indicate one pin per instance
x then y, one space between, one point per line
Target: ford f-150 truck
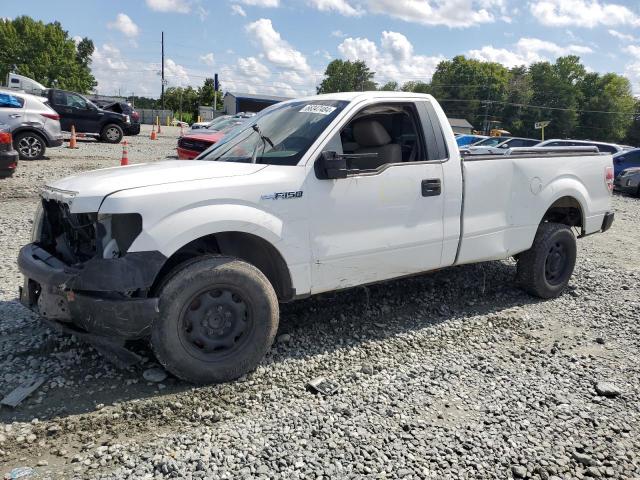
311 195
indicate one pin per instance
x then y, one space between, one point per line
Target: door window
76 101
10 101
381 135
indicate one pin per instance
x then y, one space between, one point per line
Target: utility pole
162 74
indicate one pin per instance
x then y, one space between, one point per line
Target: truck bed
506 196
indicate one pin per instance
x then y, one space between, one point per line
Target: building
460 125
248 102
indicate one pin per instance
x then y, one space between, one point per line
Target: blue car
464 140
626 159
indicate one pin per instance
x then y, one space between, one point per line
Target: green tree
206 94
390 87
466 88
518 93
416 87
347 76
605 93
633 133
45 53
556 87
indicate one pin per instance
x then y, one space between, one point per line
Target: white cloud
252 67
207 59
622 36
633 50
338 34
175 73
177 6
451 13
394 60
276 50
632 72
342 7
582 13
238 10
125 25
526 51
262 3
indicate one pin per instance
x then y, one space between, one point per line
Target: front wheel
545 269
218 318
111 133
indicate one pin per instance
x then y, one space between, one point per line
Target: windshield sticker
321 109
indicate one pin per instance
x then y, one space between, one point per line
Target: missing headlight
117 232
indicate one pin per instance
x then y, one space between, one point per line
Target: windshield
279 135
490 142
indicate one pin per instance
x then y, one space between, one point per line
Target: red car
193 144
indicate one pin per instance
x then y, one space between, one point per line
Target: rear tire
30 146
545 269
218 318
111 133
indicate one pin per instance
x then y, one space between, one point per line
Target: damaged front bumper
95 297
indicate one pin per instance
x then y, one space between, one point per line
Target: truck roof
350 96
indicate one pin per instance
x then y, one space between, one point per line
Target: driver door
380 222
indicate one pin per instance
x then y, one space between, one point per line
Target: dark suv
75 110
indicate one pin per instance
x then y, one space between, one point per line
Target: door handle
431 187
15 115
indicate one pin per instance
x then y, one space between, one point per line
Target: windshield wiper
256 129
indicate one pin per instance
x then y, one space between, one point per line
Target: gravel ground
454 374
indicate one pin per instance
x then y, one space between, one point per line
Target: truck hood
85 192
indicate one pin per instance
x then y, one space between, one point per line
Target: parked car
8 155
34 125
215 122
602 146
499 145
179 123
193 144
626 159
209 123
628 181
87 118
313 195
124 108
464 140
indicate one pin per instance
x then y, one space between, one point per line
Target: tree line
579 104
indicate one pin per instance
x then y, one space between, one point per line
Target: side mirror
330 166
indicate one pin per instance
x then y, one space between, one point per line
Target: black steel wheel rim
556 263
215 323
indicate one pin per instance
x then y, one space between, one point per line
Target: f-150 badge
282 195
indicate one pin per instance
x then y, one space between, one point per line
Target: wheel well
565 210
18 131
244 246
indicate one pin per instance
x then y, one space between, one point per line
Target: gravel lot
454 374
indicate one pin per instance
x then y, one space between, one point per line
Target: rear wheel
30 145
218 318
545 269
111 133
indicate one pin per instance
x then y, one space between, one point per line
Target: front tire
30 146
545 269
111 133
218 318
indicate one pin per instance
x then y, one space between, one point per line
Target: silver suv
34 125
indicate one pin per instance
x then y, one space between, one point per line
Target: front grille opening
70 237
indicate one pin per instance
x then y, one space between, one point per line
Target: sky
282 47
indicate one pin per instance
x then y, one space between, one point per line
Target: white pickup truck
309 196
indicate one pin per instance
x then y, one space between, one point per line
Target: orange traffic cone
153 136
125 154
73 141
